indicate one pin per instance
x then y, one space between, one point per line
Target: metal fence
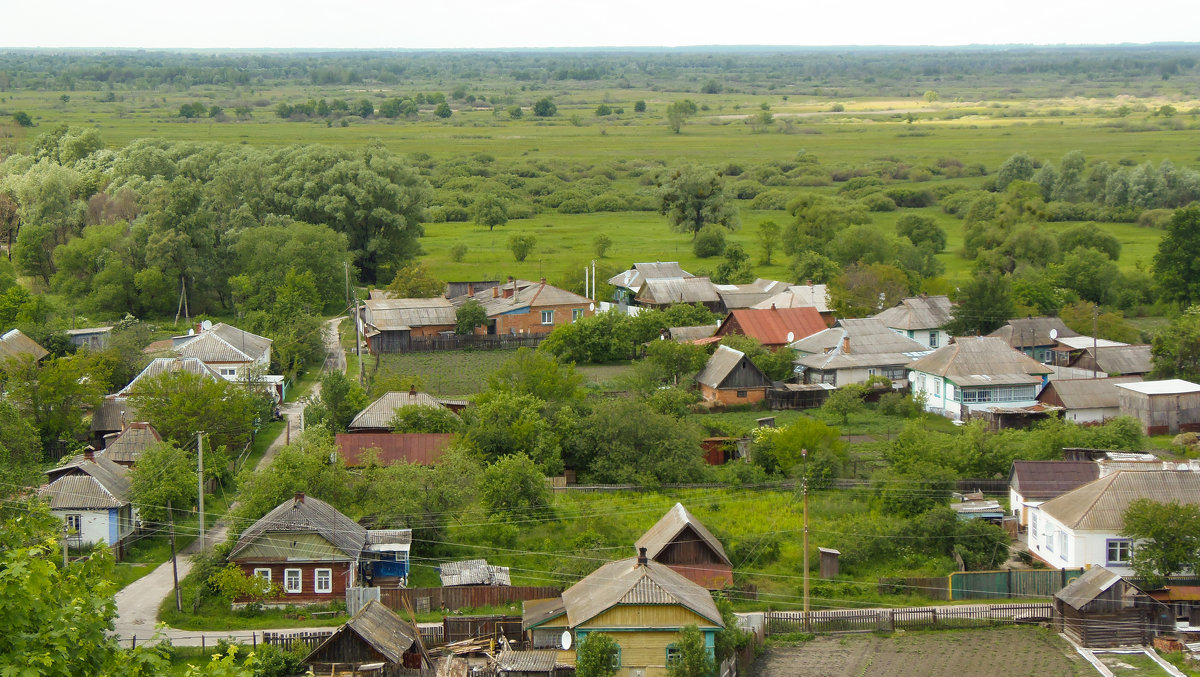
1008 583
907 618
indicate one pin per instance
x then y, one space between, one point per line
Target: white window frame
937 387
547 317
1033 525
328 587
287 581
576 314
263 573
74 522
1122 545
228 371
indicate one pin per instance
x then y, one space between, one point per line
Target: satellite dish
1053 333
791 337
592 307
206 325
566 640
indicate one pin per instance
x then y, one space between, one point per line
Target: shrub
878 202
770 199
521 245
601 244
458 252
910 197
710 241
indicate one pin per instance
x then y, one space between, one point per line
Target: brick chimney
299 497
511 289
641 560
89 454
496 291
845 345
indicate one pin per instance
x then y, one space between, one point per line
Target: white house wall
924 336
93 525
934 388
1084 548
1097 415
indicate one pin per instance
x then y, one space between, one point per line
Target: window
1000 394
74 523
911 333
951 393
1119 551
292 580
937 387
547 317
870 371
1062 544
933 339
1033 526
616 658
323 581
895 373
228 371
576 313
264 574
1049 540
741 393
672 654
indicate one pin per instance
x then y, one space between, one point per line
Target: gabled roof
1083 590
86 484
307 514
670 526
1122 359
126 446
112 414
688 334
379 414
981 361
871 343
636 276
1026 332
538 611
747 295
225 343
401 314
1043 480
628 582
171 365
678 290
1171 386
423 448
523 294
1087 393
15 344
722 362
918 312
1087 342
1101 505
380 628
799 296
776 326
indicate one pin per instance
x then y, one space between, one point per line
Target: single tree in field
679 112
844 401
521 246
1166 538
693 198
768 238
1177 263
544 108
490 210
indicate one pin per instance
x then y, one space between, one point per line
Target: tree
1090 235
735 269
601 245
310 464
490 210
598 655
443 110
232 583
919 229
692 658
867 288
521 245
709 242
1166 538
503 423
339 402
639 106
164 474
1177 263
54 393
515 112
420 418
468 316
984 304
768 239
178 404
1089 273
624 441
780 449
693 198
845 401
1018 167
671 362
544 108
22 118
679 112
536 373
514 484
1176 348
603 110
814 267
414 281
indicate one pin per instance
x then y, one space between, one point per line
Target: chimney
470 289
511 289
641 557
89 454
845 345
808 282
199 328
299 497
543 280
496 291
772 306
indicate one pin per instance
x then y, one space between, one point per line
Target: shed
534 663
391 323
684 544
1164 407
473 572
1085 400
730 377
374 635
1116 360
93 338
1101 609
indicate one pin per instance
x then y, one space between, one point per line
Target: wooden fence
463 597
290 640
908 618
418 344
1006 583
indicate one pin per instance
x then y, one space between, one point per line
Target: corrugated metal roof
918 312
981 360
628 582
1081 591
1123 359
127 445
525 294
687 334
871 343
1172 386
379 627
527 661
799 296
400 314
15 344
473 572
1086 393
379 414
377 537
225 343
171 365
774 326
423 448
670 526
748 295
1024 332
307 514
108 416
83 483
682 290
1082 342
636 276
253 345
722 362
1043 480
537 611
1101 505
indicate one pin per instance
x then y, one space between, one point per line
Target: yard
1014 652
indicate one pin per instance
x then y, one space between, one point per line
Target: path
138 603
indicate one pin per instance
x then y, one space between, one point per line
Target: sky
433 24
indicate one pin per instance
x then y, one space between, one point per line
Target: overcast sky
571 23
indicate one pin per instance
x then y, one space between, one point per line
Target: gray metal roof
86 484
918 312
400 314
1033 331
799 296
1123 359
871 343
307 514
747 295
127 445
379 414
682 334
389 540
981 360
224 343
473 572
1043 480
1087 393
636 276
379 627
112 413
670 526
722 362
172 365
1081 591
685 290
14 344
537 611
523 294
541 660
1101 505
628 582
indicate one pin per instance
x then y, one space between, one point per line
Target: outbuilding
1101 609
1165 407
731 378
375 635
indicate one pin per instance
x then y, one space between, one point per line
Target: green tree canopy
420 418
514 484
1176 348
1177 263
984 305
468 316
340 400
490 210
415 281
164 474
598 656
693 198
1166 538
693 658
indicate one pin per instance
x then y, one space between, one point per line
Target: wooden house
377 416
642 604
525 307
90 494
1114 360
1035 336
627 285
1101 609
110 417
1164 407
852 351
730 377
126 446
684 544
375 635
663 293
390 324
773 327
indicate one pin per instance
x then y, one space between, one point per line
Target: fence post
254 640
133 642
202 648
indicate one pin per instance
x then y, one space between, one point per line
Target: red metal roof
423 448
771 325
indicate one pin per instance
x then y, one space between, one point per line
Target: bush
458 252
601 244
574 205
898 404
746 189
770 199
710 241
878 202
521 245
910 197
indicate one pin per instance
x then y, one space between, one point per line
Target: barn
681 542
375 635
1101 609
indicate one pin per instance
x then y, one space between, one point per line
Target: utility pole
804 493
200 485
174 566
346 266
362 370
1095 348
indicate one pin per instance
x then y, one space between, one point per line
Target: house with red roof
773 327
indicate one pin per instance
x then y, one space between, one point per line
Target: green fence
1023 583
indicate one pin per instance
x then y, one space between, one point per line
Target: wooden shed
1101 609
730 377
373 635
685 545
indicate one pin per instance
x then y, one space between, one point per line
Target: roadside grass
125 573
213 615
262 440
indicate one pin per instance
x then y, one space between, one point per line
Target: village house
1031 483
1113 360
973 374
524 307
1067 348
663 293
852 351
1034 336
170 365
772 327
377 416
627 285
920 318
1083 527
1085 400
684 544
390 324
734 296
374 639
15 344
231 352
1165 407
730 377
642 604
698 334
90 494
807 295
92 338
1102 609
126 446
110 417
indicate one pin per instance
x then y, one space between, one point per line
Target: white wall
934 388
93 524
1091 415
1084 548
922 336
